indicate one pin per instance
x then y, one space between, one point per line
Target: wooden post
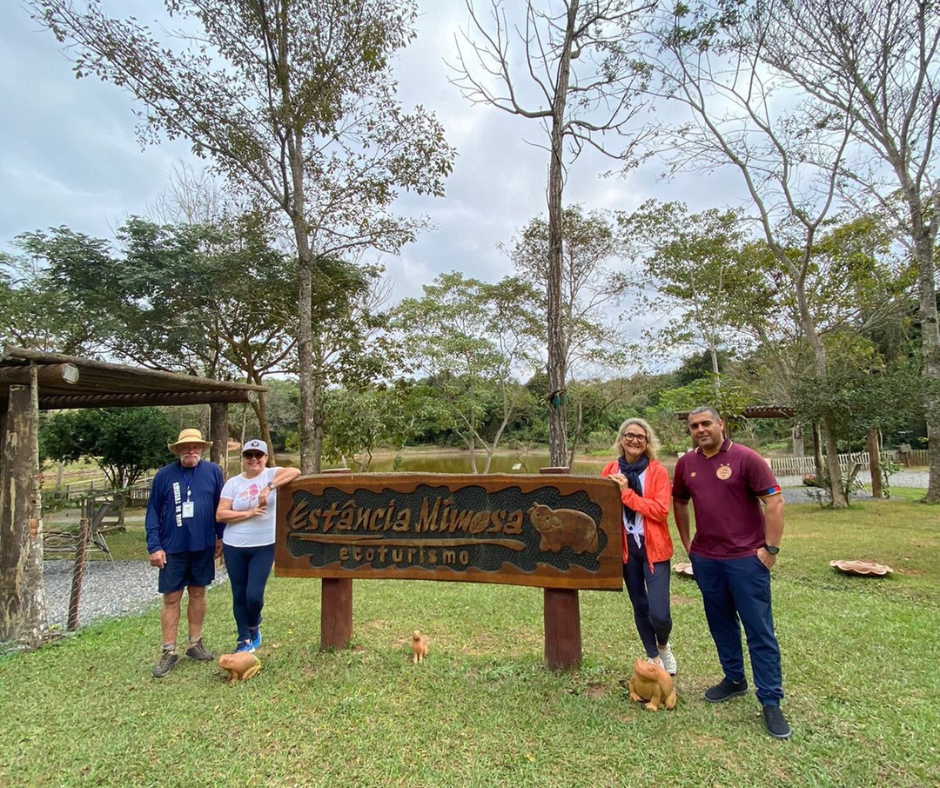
218 434
336 596
874 463
22 590
561 613
78 573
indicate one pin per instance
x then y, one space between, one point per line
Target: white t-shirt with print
258 530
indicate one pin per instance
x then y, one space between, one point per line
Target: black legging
649 593
248 570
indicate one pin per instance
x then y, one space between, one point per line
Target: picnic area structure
32 381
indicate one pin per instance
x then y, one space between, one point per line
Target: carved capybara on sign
560 528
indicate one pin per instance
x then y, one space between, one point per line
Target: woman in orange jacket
647 547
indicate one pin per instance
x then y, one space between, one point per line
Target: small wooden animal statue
242 665
651 684
419 647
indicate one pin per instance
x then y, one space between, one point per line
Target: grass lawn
860 666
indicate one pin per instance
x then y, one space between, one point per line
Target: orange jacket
654 506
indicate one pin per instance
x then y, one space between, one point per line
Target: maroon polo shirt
725 491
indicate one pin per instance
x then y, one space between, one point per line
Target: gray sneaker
168 659
198 651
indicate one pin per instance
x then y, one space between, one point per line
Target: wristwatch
772 549
271 486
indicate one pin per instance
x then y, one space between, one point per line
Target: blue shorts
187 569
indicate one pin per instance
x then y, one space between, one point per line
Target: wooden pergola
32 381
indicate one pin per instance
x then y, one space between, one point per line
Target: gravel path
108 590
795 492
127 587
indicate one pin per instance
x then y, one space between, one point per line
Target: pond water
452 462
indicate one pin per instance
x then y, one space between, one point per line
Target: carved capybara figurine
241 665
419 647
562 528
652 685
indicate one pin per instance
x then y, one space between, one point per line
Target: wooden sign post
561 614
557 532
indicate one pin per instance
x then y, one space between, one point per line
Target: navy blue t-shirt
168 528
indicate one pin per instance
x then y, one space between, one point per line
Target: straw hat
188 436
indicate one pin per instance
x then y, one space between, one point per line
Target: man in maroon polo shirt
738 528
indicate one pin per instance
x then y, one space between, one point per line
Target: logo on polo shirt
723 472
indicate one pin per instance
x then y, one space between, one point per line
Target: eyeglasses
252 455
633 437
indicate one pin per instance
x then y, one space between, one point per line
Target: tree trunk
259 406
797 437
557 349
817 453
874 463
930 342
713 352
836 491
218 434
308 447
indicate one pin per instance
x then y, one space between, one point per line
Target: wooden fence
801 466
72 493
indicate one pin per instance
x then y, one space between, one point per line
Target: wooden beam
67 401
123 371
47 374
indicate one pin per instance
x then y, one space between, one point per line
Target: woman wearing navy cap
248 508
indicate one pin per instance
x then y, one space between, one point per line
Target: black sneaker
167 660
776 723
725 690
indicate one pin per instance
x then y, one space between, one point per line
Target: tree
351 344
36 313
871 69
294 103
592 286
123 442
575 106
789 162
472 339
704 281
212 300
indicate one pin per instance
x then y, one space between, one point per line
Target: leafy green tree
351 343
871 69
123 442
704 282
472 339
294 103
212 300
36 313
791 158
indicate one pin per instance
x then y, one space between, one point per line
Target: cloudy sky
69 156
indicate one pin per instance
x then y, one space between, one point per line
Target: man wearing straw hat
183 539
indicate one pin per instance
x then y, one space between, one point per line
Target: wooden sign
545 531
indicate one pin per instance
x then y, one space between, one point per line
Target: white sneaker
669 661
